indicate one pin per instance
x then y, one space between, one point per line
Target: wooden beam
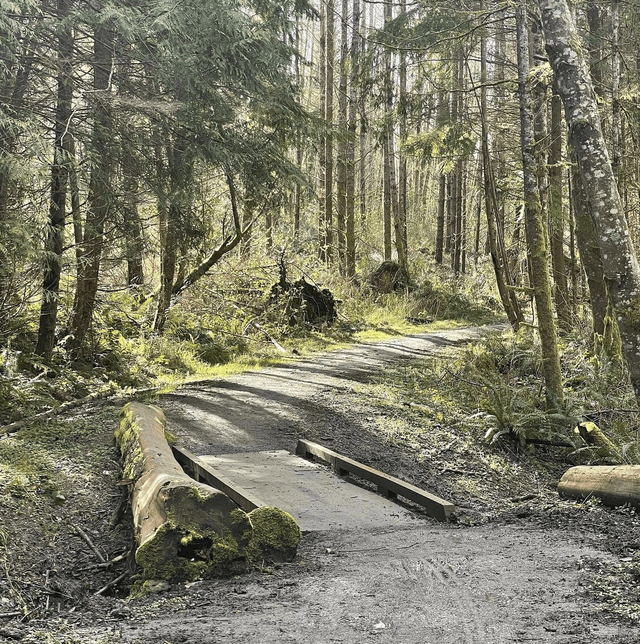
388 485
200 471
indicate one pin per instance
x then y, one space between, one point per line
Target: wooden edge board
201 471
389 485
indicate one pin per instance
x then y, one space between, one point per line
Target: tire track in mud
429 576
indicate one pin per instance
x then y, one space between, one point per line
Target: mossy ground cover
59 479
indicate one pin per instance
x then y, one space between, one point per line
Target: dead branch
90 543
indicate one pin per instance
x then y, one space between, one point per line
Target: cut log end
275 535
613 485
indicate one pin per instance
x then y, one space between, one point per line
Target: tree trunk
297 196
59 182
386 198
167 218
616 133
388 208
556 215
351 143
536 238
342 161
328 182
322 147
500 265
402 241
620 264
605 328
134 243
99 199
442 198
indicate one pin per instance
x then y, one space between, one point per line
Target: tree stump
389 277
184 529
612 484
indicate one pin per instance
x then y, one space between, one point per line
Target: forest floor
516 563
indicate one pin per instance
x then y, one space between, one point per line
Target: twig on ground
90 543
117 580
104 564
46 586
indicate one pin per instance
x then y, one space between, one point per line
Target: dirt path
502 571
413 585
271 408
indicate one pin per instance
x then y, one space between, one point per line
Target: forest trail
421 583
269 409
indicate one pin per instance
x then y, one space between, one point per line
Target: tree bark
536 238
443 109
59 183
620 264
402 241
328 182
613 485
500 265
342 160
351 143
322 147
556 215
99 192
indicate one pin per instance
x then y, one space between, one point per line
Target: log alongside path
184 529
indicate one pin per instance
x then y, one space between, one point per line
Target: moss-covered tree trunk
536 238
619 261
556 215
605 327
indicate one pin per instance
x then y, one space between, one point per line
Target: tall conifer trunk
99 200
342 160
59 183
328 182
536 238
351 143
322 152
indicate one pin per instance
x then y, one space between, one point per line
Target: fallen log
612 484
184 529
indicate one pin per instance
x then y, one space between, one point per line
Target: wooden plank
200 471
388 485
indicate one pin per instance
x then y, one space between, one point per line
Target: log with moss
184 529
612 484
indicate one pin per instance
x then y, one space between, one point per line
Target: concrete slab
317 498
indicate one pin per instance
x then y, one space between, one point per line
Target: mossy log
612 484
185 529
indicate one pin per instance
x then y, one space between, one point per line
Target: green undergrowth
215 332
479 413
37 461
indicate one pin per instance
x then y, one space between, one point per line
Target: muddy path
510 581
